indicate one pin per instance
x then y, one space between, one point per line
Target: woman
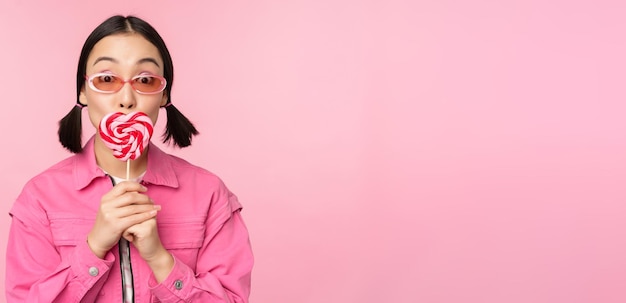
81 233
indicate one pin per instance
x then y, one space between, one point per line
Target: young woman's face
125 55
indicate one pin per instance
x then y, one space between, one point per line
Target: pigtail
70 130
178 127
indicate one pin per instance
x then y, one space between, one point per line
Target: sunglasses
108 83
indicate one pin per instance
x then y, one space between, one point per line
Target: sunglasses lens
148 84
107 83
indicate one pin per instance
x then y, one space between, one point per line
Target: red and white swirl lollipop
127 135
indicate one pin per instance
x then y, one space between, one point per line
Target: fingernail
153 212
157 207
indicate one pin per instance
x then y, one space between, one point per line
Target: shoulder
187 171
50 182
204 181
203 193
59 172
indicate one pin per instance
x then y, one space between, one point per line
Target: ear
82 98
164 99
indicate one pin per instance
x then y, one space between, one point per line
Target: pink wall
385 151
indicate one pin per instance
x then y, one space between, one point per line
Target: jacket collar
159 169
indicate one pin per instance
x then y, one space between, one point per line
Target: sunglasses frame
130 81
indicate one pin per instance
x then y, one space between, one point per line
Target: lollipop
127 135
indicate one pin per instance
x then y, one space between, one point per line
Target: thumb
129 235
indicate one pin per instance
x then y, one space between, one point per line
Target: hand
145 237
122 207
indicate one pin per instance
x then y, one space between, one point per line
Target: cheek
94 116
99 105
96 111
152 109
154 117
96 102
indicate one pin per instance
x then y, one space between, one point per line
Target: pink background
385 151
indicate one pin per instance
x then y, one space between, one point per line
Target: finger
118 218
129 198
134 209
129 235
124 187
131 220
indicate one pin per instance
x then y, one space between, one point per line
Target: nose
127 97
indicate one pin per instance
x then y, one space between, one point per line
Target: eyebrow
144 60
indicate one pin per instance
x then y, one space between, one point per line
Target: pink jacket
48 259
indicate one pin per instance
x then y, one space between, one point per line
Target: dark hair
178 127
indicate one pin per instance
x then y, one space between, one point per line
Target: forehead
126 49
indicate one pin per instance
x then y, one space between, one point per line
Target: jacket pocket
183 238
67 231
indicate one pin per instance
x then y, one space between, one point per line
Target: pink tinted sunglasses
108 83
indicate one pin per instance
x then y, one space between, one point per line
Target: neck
115 167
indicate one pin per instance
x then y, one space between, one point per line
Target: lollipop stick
127 169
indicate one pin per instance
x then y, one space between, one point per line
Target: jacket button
178 284
93 271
